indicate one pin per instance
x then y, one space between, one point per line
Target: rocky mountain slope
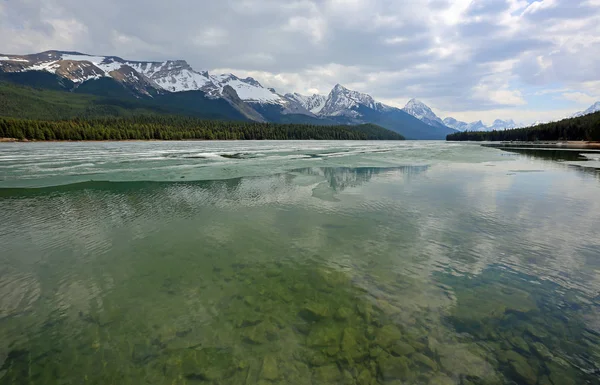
313 104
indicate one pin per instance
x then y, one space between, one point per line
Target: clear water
297 263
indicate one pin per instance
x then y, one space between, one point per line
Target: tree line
163 127
584 128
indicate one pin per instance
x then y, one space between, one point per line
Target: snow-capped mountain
177 84
313 104
593 108
79 68
249 90
170 75
455 124
344 102
422 112
498 124
476 126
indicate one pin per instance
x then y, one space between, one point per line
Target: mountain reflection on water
476 268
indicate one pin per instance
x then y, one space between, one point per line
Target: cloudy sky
470 59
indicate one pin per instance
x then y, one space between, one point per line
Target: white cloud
580 97
314 27
211 37
522 116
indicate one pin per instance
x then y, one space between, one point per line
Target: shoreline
13 140
568 145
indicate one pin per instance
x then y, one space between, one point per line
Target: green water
297 263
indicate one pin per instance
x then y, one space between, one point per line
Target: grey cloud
390 48
507 48
563 10
479 30
487 7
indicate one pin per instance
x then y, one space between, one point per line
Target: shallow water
297 263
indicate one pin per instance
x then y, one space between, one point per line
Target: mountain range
176 87
173 86
422 112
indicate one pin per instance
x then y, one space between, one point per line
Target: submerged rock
270 369
324 335
443 380
143 353
393 368
460 360
343 313
312 357
519 343
248 319
521 369
387 336
261 333
424 361
561 375
542 351
401 348
536 331
314 311
209 364
365 309
334 278
328 374
365 378
354 344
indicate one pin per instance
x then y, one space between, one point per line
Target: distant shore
570 145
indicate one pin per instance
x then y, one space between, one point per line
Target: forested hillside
163 127
586 128
17 101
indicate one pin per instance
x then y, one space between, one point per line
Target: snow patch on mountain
173 75
341 101
182 81
47 66
456 124
314 103
249 90
6 58
593 108
476 126
422 112
500 124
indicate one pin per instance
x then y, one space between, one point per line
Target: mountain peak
338 87
422 112
593 108
342 101
252 81
416 102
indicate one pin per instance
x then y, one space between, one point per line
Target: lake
298 263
